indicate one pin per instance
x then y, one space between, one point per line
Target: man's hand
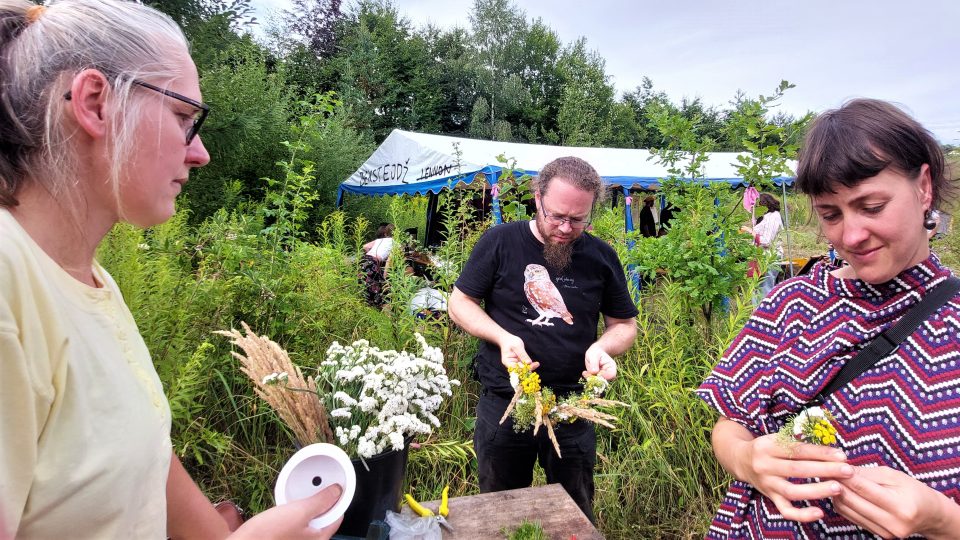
292 520
512 352
893 504
598 362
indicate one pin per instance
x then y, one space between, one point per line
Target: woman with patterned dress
873 175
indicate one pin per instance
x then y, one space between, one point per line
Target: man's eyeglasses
557 221
198 117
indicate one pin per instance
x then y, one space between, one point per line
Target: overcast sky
832 50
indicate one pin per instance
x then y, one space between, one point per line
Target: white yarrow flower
391 395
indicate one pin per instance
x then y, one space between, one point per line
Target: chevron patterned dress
903 412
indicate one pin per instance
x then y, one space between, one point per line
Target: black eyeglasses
557 221
198 117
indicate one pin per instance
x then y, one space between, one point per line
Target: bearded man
543 285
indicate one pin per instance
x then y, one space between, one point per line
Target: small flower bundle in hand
813 425
535 406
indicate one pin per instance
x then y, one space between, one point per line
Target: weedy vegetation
293 276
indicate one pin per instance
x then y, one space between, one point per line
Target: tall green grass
656 476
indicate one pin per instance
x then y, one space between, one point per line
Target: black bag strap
890 339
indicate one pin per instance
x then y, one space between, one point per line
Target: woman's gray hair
41 49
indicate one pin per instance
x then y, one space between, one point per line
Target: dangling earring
930 220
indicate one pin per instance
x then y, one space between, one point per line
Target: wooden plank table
484 516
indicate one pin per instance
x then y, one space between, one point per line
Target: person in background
648 226
379 248
100 110
873 175
373 265
766 235
666 216
544 284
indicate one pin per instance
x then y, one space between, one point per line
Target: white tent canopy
418 163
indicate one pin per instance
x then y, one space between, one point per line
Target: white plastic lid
312 469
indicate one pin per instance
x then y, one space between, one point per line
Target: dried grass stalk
591 415
513 403
600 402
295 401
553 438
538 414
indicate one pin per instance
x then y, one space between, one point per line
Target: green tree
497 28
450 77
771 142
384 71
644 101
249 119
539 70
703 253
585 114
314 22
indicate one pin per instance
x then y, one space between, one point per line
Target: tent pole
786 226
495 199
432 203
632 273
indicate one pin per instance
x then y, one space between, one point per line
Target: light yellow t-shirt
84 425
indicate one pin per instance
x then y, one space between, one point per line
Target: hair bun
34 13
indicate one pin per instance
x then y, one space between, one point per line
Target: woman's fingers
811 491
791 512
789 468
812 452
798 460
856 509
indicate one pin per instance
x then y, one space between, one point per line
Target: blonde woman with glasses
100 110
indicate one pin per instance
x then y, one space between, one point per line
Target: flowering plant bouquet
535 406
813 425
363 399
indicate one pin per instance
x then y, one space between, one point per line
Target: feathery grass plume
273 375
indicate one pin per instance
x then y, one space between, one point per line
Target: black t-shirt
648 227
556 316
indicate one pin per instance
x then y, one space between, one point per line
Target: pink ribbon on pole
750 196
495 191
629 200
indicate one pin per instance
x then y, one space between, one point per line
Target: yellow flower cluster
824 432
529 381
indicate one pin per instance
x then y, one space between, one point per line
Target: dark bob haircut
769 202
862 138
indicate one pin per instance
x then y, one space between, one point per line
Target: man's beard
557 255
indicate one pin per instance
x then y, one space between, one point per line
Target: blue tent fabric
416 163
410 163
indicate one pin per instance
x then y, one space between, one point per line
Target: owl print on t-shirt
544 296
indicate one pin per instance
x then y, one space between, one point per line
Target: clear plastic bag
412 527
